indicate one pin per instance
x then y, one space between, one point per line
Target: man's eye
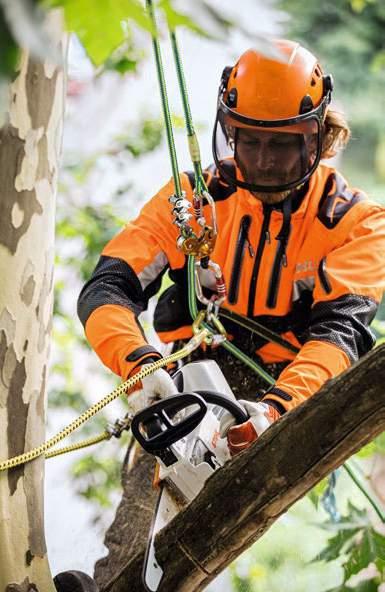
285 141
282 140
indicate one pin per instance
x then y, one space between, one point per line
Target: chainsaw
182 432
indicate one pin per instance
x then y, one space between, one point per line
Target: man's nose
264 158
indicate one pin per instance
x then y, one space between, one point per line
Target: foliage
8 50
105 29
377 446
282 558
361 545
96 476
349 41
82 231
348 37
102 27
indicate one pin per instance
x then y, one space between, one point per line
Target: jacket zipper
261 244
238 258
279 262
323 276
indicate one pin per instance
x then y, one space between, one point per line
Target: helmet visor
268 159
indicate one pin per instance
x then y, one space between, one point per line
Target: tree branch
243 499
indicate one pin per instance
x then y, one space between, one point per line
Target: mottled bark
30 143
242 500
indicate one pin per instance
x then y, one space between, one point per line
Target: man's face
271 158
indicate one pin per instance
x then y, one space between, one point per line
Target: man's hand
239 437
155 386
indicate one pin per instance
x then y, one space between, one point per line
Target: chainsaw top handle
235 408
157 427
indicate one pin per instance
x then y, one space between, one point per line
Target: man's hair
336 135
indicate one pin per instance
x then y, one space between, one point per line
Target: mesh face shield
270 155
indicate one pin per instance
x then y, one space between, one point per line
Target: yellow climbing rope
200 336
106 435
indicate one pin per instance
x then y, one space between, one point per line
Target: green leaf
177 19
350 525
102 26
316 493
380 565
9 51
367 450
359 558
376 446
360 5
97 478
337 545
123 65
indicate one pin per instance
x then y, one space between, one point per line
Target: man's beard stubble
271 198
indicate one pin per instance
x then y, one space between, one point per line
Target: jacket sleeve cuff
144 354
279 399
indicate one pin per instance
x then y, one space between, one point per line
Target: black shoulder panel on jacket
219 189
345 322
336 201
112 282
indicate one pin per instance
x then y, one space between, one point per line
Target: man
301 252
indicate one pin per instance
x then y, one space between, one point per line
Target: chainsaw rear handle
159 416
231 405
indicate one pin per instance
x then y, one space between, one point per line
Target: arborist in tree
302 253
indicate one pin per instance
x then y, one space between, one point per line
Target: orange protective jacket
312 269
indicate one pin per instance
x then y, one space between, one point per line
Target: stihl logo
305 266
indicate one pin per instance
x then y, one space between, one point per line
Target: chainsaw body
182 432
201 452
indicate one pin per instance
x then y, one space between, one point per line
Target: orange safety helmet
270 119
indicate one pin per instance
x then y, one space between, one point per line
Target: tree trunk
30 143
243 499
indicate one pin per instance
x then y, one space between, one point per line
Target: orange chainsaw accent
240 437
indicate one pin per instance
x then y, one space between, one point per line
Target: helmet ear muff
225 79
306 105
232 98
328 83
